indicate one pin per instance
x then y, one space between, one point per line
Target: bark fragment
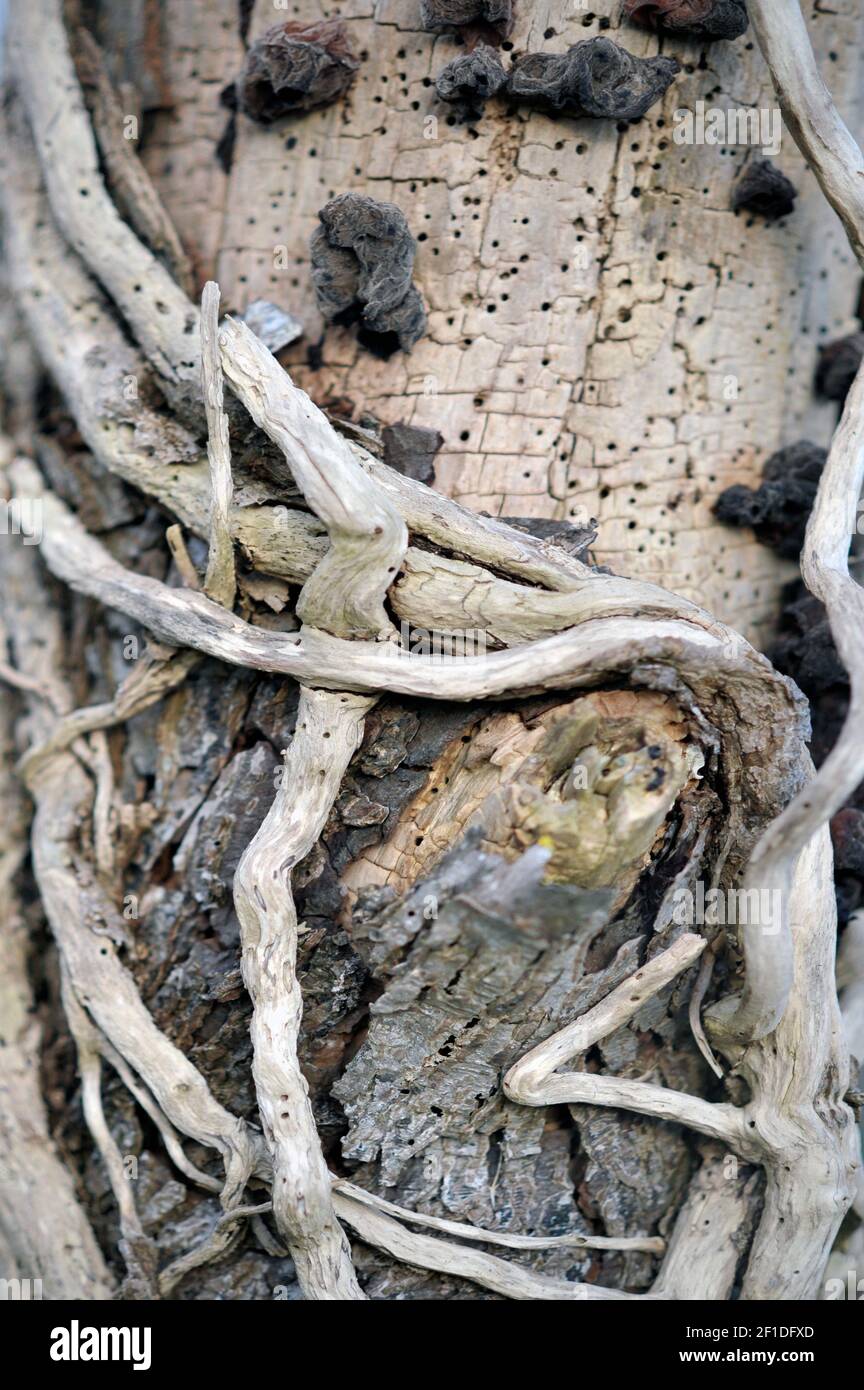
806 651
411 450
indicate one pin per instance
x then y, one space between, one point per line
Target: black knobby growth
593 78
293 68
457 14
838 366
471 79
763 189
709 19
779 507
362 260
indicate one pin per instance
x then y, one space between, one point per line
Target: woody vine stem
563 626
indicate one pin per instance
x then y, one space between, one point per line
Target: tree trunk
606 337
399 937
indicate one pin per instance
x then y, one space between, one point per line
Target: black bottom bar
65 1339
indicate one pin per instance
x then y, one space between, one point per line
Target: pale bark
610 402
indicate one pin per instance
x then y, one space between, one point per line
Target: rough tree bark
341 971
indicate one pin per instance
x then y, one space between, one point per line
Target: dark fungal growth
805 651
471 79
593 78
847 834
804 648
838 366
362 259
707 19
437 15
778 509
292 68
411 450
764 190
